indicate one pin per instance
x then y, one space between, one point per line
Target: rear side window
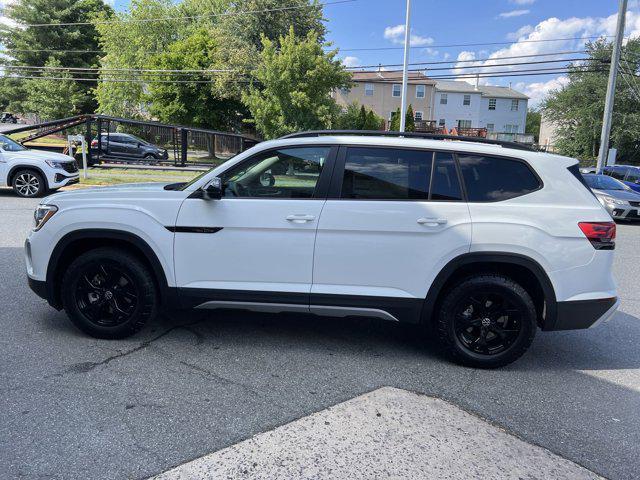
387 174
492 179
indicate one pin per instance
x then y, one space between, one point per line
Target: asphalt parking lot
75 407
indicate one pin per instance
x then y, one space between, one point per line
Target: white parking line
388 433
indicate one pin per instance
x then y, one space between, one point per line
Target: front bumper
38 287
579 314
62 180
623 212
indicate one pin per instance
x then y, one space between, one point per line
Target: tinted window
616 172
387 174
633 175
491 179
603 182
284 173
445 184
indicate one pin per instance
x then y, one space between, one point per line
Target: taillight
602 235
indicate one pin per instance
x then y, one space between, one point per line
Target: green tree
70 45
294 82
577 107
410 124
395 121
533 123
373 121
358 117
51 99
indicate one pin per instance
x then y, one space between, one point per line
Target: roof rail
429 136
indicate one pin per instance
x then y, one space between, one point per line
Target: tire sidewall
134 269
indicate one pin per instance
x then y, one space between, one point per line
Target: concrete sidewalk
387 433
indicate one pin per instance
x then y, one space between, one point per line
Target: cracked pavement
194 383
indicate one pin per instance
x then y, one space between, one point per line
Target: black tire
28 183
486 321
150 157
109 293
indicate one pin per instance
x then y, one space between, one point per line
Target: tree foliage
293 85
410 124
358 117
68 46
532 126
577 107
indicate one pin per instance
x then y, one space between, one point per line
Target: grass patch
114 176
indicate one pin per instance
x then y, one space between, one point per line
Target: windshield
8 145
604 182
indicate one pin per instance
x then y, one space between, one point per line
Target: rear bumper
574 315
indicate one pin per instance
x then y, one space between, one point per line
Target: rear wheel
28 183
487 321
109 293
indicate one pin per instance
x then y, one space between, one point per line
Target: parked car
8 117
483 242
127 146
621 202
31 173
627 174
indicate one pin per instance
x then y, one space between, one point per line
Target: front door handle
300 218
432 222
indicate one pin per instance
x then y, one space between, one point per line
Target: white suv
483 242
31 173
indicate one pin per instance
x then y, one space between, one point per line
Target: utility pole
405 72
611 88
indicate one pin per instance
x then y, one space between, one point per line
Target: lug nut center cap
109 295
485 321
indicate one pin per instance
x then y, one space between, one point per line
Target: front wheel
109 293
487 321
28 183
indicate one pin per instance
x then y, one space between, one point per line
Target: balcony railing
525 138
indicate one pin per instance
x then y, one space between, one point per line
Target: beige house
382 91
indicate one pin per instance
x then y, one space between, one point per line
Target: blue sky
378 23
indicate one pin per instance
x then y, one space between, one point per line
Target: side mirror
213 189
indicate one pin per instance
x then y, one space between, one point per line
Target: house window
397 90
420 91
464 123
441 122
344 91
466 100
514 105
490 127
418 116
492 104
368 89
511 128
443 99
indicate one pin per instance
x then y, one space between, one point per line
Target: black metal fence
127 141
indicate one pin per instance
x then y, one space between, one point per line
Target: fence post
99 128
183 146
88 140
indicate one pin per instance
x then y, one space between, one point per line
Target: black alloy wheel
109 293
487 321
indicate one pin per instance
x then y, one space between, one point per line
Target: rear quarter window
493 179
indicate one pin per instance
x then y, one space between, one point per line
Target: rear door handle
300 218
432 222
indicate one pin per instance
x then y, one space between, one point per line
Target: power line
475 44
190 17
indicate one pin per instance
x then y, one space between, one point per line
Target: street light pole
611 88
405 72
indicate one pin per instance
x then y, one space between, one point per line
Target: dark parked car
621 202
627 174
8 117
127 146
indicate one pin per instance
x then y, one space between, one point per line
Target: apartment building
381 91
462 105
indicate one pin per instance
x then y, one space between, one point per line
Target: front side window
8 145
443 99
492 179
633 175
492 104
386 174
284 173
466 100
420 91
514 105
445 184
397 90
368 89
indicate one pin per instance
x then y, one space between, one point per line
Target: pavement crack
214 376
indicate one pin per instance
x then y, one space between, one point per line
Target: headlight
615 201
54 164
42 215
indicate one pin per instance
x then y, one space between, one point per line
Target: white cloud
521 32
432 52
3 19
396 35
537 91
446 56
523 2
514 13
351 62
